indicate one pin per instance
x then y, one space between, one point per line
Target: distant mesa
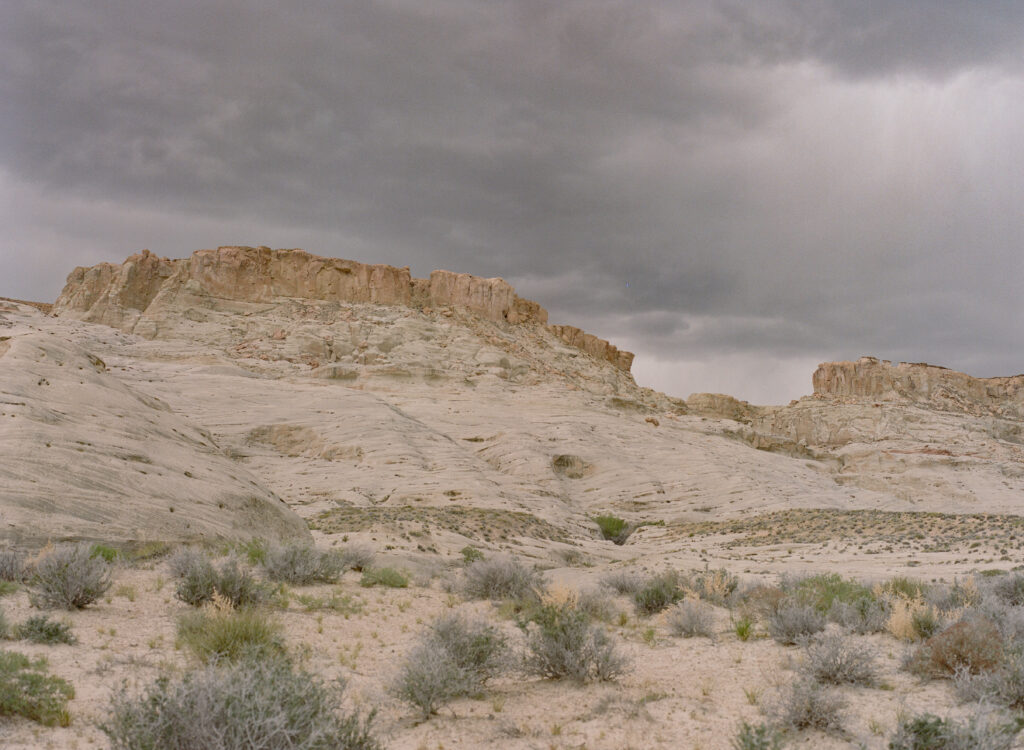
132 295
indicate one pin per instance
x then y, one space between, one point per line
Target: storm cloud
734 190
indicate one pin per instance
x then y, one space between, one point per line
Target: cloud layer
733 189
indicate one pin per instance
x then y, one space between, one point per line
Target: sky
733 190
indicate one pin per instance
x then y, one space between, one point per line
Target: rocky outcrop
936 387
592 345
130 296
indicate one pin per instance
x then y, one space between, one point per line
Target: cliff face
121 296
938 387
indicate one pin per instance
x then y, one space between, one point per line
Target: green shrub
41 629
27 690
301 564
907 588
4 626
200 580
69 577
925 623
972 645
8 587
500 577
613 529
455 657
658 593
215 635
383 577
743 626
255 550
823 590
471 554
252 705
564 644
757 737
106 552
982 731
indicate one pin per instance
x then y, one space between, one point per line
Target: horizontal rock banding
119 295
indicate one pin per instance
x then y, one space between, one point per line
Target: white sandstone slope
87 457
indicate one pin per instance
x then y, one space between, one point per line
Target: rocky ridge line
120 295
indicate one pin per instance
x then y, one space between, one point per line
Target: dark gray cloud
732 181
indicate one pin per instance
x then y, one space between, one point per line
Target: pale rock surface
87 457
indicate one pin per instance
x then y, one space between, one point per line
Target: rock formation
920 383
132 296
87 457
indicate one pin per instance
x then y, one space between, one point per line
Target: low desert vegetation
613 529
835 659
455 657
27 689
220 633
12 566
972 645
757 737
69 577
387 577
984 730
690 619
807 704
501 577
41 629
199 580
562 643
658 593
302 564
791 622
254 704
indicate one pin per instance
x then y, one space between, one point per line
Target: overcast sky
734 190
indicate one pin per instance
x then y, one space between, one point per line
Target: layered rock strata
938 387
121 295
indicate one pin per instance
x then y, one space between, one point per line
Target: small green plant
714 586
105 551
659 592
254 551
743 626
41 629
983 730
26 689
823 590
69 577
613 529
470 554
383 577
8 587
757 737
214 634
